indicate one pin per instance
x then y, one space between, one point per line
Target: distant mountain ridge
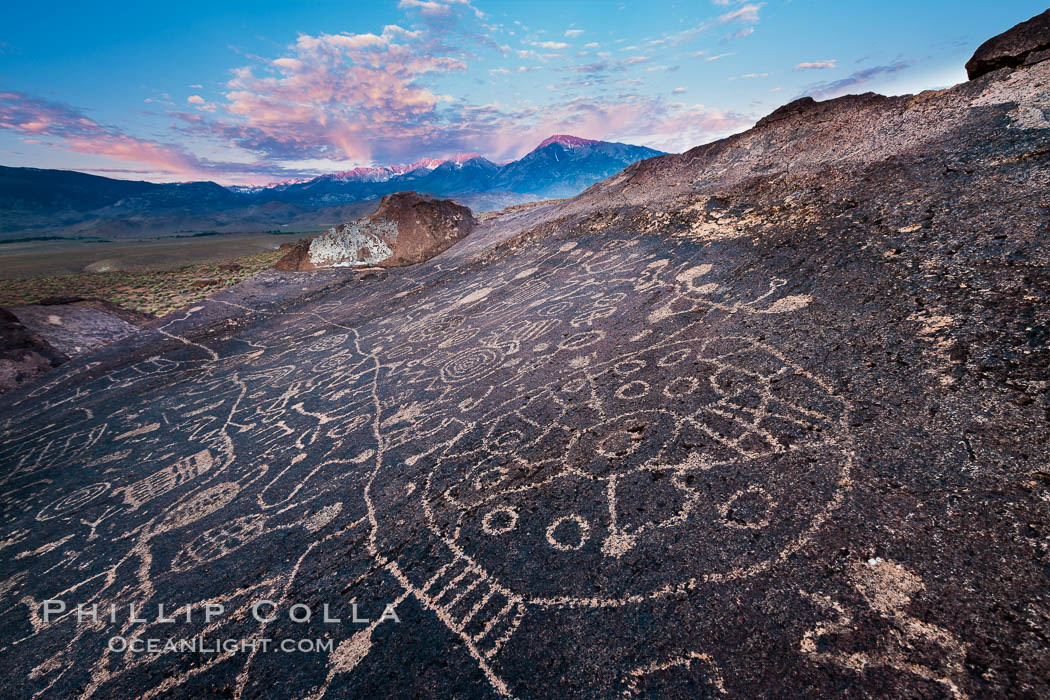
35 202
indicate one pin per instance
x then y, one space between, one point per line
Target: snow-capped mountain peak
568 141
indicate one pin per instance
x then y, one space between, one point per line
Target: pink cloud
335 96
58 125
744 13
817 65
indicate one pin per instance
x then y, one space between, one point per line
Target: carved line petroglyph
887 587
685 661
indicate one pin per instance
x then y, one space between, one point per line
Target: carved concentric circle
72 502
471 365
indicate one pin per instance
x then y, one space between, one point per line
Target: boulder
24 355
74 328
1025 44
406 229
132 316
36 338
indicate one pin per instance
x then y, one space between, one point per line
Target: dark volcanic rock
38 337
77 327
136 318
296 257
406 229
767 419
1026 43
23 354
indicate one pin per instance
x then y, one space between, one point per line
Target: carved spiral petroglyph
471 365
72 502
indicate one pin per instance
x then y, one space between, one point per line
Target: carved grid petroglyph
429 423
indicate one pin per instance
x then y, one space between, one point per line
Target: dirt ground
154 291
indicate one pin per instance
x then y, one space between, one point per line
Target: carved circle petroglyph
753 427
568 533
499 520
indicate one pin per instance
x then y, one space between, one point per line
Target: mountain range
36 203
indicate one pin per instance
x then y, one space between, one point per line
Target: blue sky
254 92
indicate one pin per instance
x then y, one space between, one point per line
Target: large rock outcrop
1025 44
406 229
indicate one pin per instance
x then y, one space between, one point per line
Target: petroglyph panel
512 443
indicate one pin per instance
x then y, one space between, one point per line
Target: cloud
425 6
337 96
195 100
817 65
554 45
600 67
436 7
719 56
572 33
745 13
740 34
750 76
65 127
678 91
835 88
